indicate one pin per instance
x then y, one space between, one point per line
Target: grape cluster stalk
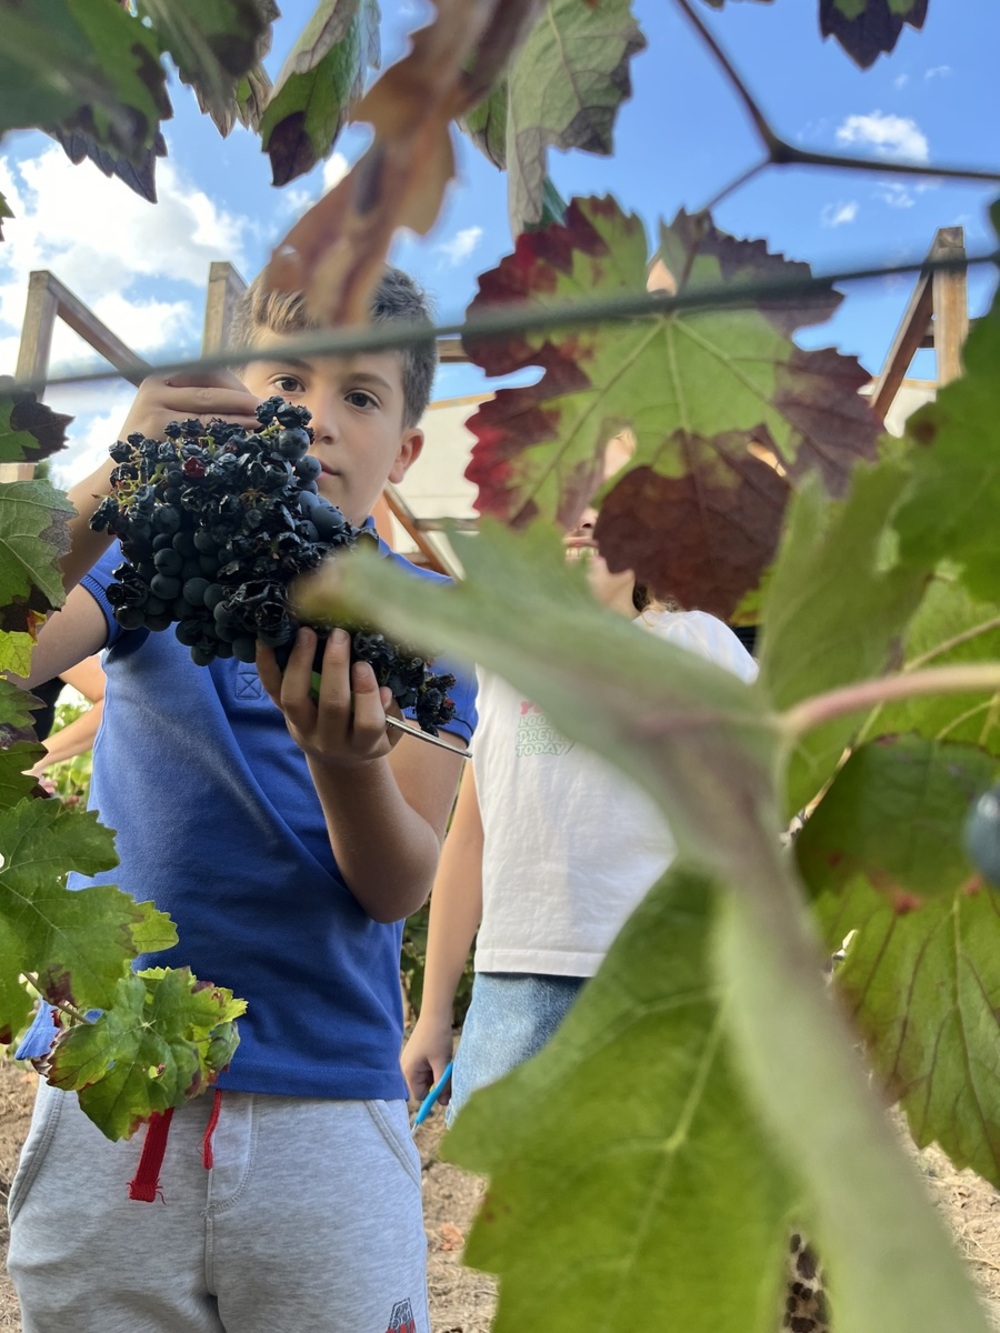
215 522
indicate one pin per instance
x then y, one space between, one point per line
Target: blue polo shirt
218 823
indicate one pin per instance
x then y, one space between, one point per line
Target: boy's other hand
425 1058
345 726
175 397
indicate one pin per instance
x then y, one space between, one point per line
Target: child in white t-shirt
549 851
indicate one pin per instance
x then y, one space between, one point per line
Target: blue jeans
511 1017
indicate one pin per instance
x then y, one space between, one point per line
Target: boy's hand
206 394
346 726
425 1058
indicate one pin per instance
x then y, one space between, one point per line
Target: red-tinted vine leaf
16 708
321 80
29 430
91 68
563 90
34 534
166 1037
867 28
336 251
702 391
950 511
721 536
660 1162
893 817
214 43
75 944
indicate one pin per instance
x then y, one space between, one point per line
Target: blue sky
679 140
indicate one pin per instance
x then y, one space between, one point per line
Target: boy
287 842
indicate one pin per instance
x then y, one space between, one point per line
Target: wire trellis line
502 321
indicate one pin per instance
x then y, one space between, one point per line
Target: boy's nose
324 418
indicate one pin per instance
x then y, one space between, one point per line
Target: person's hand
425 1058
345 726
175 397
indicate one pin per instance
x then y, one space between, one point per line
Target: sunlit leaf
165 1038
321 79
82 66
34 533
628 1139
563 90
16 647
29 430
951 510
834 575
336 251
867 28
214 43
706 394
75 944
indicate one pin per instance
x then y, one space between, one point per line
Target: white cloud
891 136
838 214
901 80
335 168
938 72
90 435
460 246
895 195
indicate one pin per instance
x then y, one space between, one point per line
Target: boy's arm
456 910
386 808
73 739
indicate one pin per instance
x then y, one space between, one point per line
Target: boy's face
357 420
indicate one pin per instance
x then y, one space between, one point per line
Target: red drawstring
145 1184
213 1120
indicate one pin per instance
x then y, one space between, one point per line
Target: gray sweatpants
309 1221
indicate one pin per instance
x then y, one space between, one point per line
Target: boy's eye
288 384
361 398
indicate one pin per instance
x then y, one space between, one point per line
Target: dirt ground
462 1300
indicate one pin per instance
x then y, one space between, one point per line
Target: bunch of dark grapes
215 522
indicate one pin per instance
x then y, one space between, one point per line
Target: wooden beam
404 515
47 294
951 305
225 287
36 331
908 337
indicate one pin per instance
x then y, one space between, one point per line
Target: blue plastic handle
427 1105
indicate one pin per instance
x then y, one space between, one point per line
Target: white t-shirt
571 846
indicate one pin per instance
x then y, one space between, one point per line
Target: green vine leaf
166 1037
29 430
75 943
696 388
16 708
563 90
322 78
15 652
34 534
629 1138
893 818
867 28
14 785
922 986
82 66
833 576
949 512
214 44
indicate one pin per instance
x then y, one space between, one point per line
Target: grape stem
822 708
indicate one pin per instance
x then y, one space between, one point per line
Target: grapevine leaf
16 707
14 784
893 818
867 28
923 988
565 85
486 125
322 78
335 252
138 172
75 943
214 43
675 1160
956 462
34 533
5 212
15 652
707 750
87 67
29 431
165 1038
696 387
832 577
949 627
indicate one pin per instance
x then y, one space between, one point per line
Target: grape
981 836
215 522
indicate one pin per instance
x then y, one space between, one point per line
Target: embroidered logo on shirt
537 735
401 1319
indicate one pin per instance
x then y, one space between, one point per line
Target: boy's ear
411 444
